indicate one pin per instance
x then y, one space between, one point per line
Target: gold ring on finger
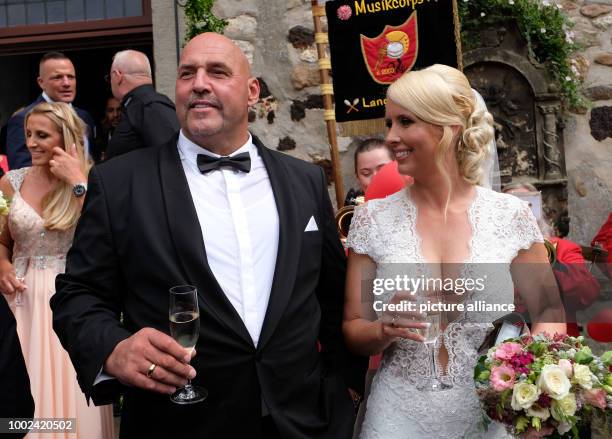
151 370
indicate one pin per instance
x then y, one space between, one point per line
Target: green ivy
200 18
546 29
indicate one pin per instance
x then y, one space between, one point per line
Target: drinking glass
185 329
431 334
20 265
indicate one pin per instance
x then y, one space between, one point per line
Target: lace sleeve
15 177
362 233
526 227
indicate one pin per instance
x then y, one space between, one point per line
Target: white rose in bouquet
554 382
564 407
524 395
583 376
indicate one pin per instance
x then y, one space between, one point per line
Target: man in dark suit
148 118
253 230
15 398
57 80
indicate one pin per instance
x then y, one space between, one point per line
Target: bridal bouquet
544 386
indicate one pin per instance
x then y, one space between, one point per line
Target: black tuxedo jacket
139 235
16 150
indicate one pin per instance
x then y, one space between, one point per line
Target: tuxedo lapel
188 242
289 241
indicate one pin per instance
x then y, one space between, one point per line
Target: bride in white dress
443 226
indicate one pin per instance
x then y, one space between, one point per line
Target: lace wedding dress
386 231
38 256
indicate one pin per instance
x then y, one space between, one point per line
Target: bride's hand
9 284
403 323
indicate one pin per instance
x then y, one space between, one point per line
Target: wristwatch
79 189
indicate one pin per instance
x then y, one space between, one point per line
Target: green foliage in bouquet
200 18
5 205
544 26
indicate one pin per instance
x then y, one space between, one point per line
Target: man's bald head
213 42
132 61
130 69
214 89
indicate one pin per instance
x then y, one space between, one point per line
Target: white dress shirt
240 227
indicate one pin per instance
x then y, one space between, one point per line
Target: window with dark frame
41 12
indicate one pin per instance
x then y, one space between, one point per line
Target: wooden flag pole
321 40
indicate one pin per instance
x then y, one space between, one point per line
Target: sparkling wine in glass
431 334
20 265
185 329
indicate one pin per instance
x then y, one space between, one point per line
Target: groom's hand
132 359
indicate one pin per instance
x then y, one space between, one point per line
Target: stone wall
588 133
278 38
168 22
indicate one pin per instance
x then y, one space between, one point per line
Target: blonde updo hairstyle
441 95
61 209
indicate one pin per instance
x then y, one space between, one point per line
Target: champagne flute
20 265
185 329
433 316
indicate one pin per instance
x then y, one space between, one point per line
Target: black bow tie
239 162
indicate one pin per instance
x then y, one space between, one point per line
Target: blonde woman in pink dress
46 203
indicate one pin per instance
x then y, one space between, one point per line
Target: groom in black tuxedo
253 230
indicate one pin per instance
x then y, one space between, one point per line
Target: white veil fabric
490 166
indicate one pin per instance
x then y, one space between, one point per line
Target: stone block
603 2
601 122
582 66
243 27
297 111
604 59
301 37
586 34
309 55
286 144
599 92
603 22
569 6
595 10
580 187
304 76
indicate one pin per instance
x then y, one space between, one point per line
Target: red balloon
4 163
599 327
388 181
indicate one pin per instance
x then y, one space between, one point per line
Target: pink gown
39 255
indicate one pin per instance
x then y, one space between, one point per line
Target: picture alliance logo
410 284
